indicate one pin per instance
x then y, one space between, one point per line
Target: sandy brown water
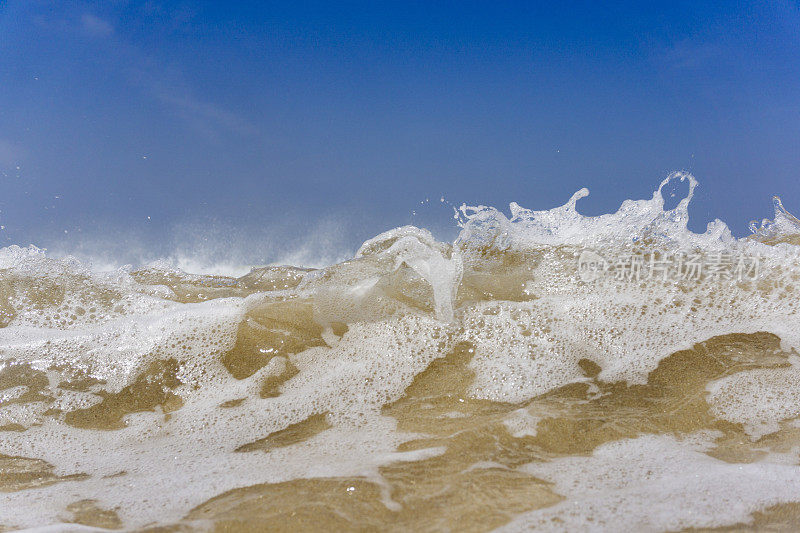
420 386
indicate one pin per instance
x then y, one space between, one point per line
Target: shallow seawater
546 371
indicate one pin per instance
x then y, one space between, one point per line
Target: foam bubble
658 483
344 341
758 399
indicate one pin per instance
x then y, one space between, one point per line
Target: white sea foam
658 483
407 300
759 399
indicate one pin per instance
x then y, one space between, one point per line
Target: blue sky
251 129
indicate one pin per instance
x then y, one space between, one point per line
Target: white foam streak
658 483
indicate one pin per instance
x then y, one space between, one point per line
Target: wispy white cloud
96 26
690 54
206 118
161 81
69 22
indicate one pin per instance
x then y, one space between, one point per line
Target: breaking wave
545 370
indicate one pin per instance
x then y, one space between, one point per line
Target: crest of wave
357 333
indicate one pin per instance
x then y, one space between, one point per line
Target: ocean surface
545 371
